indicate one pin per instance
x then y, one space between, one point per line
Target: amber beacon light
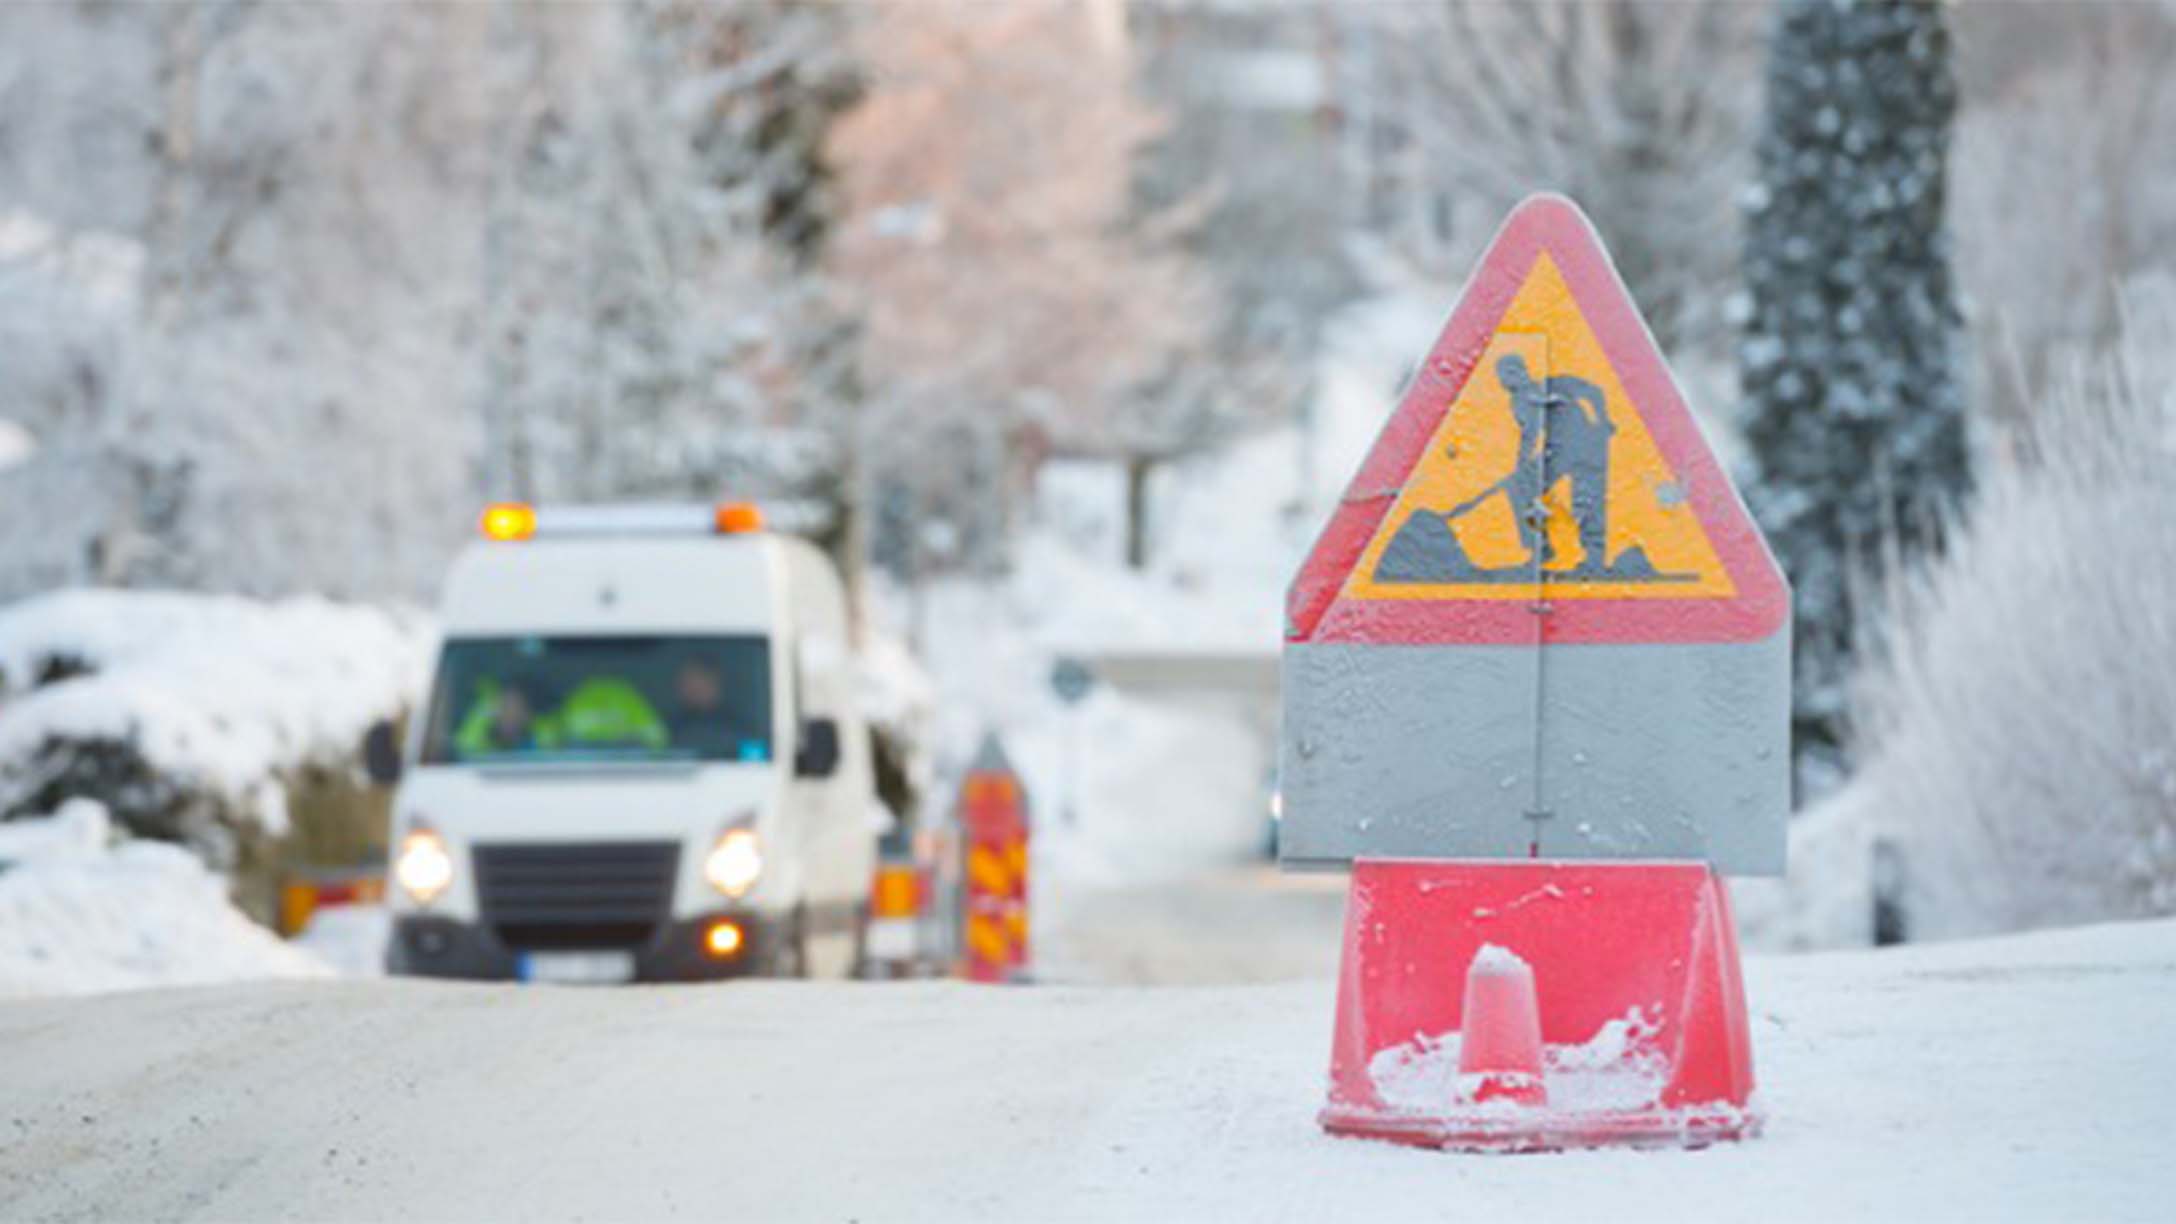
509 521
736 518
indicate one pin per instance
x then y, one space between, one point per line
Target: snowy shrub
190 717
2020 730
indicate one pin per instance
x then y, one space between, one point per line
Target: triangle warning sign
1542 479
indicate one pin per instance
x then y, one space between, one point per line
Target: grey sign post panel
1540 622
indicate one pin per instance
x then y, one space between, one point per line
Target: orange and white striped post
994 819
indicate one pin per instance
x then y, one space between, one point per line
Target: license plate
891 939
578 968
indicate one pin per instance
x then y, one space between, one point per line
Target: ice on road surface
2029 1078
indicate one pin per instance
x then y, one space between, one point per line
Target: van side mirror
818 755
381 754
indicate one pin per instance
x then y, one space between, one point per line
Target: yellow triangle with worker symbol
1541 477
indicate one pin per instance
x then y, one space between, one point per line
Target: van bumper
424 945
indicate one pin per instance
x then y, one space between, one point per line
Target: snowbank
183 711
351 939
78 914
1827 900
1150 793
16 444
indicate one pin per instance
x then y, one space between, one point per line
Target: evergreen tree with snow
1854 413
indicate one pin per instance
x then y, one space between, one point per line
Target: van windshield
510 700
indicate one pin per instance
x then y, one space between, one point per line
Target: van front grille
575 895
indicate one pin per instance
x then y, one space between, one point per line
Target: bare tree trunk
853 530
1138 469
168 245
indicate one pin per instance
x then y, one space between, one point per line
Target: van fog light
724 940
734 863
424 866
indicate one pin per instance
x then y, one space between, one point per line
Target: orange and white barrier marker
994 821
306 892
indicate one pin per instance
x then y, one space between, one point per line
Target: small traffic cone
1499 1047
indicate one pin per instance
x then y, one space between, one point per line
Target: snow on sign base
1540 621
1632 989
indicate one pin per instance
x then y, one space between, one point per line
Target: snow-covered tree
1854 413
2061 190
1249 141
265 411
291 289
652 328
1013 302
1456 110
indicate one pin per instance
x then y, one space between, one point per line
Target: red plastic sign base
1632 969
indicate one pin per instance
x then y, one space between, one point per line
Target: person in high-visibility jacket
601 712
609 712
502 719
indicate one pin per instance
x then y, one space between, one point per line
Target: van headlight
734 862
424 867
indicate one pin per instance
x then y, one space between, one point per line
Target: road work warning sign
1540 621
1541 470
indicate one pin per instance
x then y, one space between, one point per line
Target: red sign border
1314 611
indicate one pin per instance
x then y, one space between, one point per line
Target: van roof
603 584
514 521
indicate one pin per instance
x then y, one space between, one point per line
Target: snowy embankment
80 913
2023 1078
189 714
184 721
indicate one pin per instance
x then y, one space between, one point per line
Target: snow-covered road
2032 1078
1236 924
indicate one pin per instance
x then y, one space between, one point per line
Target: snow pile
1495 960
1616 1069
78 914
1154 792
1827 900
1122 791
16 444
350 938
188 712
892 689
899 700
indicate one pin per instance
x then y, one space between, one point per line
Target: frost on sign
1540 621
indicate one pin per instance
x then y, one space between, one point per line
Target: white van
641 758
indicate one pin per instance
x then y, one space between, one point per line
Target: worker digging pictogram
1544 476
1564 441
